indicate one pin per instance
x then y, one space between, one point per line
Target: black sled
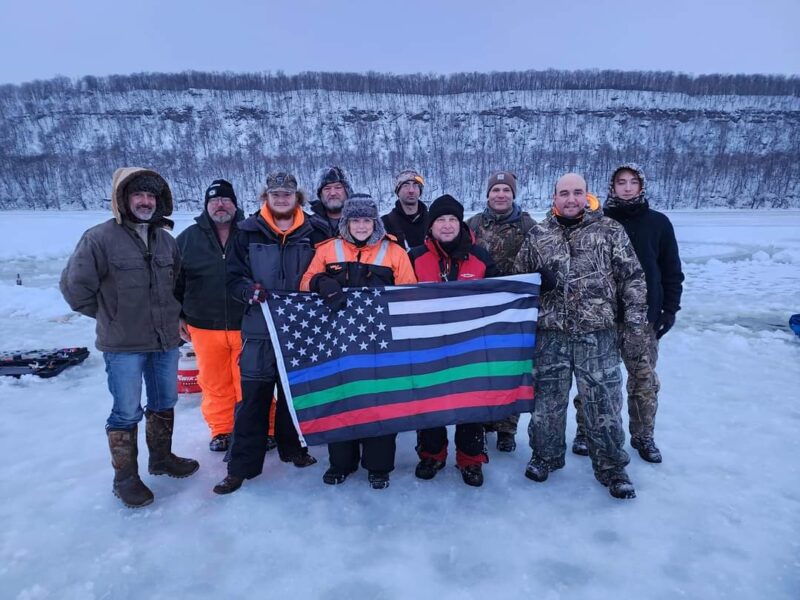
43 363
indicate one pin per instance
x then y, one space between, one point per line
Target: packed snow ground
720 518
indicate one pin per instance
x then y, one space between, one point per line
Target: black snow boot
378 480
472 475
579 445
220 443
230 484
618 483
158 432
647 449
271 443
334 476
124 454
506 442
428 468
299 458
539 469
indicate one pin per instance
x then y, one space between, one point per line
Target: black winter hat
220 188
145 183
333 175
445 205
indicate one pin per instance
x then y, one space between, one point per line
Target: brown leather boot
159 442
124 452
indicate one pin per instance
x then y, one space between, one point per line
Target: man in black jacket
210 318
407 221
653 239
271 252
333 188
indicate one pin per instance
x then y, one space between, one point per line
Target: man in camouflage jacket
595 268
501 229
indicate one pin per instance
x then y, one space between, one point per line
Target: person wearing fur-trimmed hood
363 255
123 274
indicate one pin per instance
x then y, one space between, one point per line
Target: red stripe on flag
374 414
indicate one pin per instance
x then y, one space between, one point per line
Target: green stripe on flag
394 384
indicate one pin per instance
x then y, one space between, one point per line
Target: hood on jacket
628 166
119 204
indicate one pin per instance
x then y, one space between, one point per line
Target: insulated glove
548 280
635 340
331 292
664 323
255 293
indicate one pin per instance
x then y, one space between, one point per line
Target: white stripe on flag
434 305
512 315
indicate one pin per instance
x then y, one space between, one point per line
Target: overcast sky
45 38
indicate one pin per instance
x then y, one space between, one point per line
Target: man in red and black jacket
449 253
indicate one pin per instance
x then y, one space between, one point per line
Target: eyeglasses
221 201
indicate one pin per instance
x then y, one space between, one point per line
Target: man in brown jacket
122 274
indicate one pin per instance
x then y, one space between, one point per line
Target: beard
143 213
282 214
221 217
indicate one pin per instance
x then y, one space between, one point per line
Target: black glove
664 323
255 293
548 280
331 292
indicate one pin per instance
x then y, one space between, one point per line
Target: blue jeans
125 372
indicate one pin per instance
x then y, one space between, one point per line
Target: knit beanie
220 188
445 205
506 177
333 175
408 175
361 206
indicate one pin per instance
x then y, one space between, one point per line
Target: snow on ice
720 518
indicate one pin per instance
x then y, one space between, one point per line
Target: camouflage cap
281 182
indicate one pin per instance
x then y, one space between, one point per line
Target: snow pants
252 414
643 386
219 378
593 359
375 453
470 444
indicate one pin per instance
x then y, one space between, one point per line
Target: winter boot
271 443
220 443
334 476
230 484
539 469
124 452
158 432
647 449
618 483
579 445
428 468
299 458
472 475
378 480
506 442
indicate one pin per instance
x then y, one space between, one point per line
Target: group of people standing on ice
611 286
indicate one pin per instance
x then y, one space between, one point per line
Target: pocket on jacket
131 272
257 360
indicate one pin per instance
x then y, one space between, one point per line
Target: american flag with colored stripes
403 358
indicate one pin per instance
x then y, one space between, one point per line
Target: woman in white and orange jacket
363 255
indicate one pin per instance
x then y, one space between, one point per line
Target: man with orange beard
271 252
